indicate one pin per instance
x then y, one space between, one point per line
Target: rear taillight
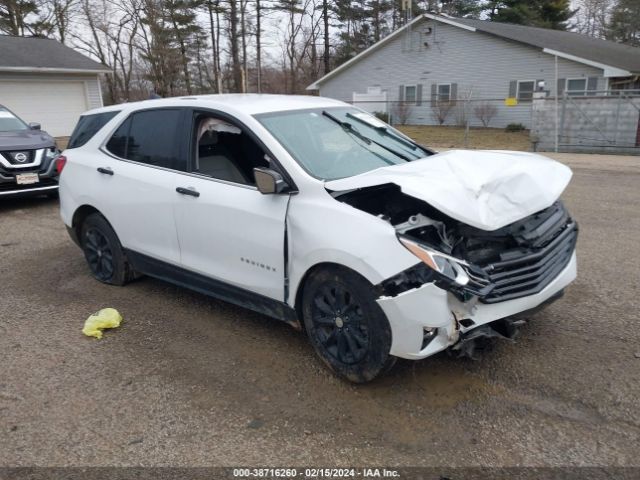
61 161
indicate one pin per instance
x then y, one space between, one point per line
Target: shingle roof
30 53
621 60
594 49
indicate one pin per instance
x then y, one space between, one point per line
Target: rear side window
87 127
151 137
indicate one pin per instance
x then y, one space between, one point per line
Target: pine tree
625 23
180 16
555 14
537 13
22 17
462 8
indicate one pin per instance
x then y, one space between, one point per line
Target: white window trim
518 89
575 94
415 86
438 85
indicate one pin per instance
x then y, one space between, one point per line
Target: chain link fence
602 122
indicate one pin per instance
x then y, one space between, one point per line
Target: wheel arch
309 272
79 216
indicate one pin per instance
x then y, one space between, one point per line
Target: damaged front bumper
427 319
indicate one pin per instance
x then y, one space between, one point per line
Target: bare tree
440 110
485 112
593 16
401 112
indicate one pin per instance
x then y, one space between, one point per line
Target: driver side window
224 151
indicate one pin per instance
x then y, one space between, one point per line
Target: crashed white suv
316 213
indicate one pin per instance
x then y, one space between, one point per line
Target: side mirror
35 126
269 181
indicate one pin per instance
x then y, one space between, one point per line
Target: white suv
314 212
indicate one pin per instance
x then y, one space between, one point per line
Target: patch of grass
479 137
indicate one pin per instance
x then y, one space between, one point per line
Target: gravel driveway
188 380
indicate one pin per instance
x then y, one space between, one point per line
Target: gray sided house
44 81
452 68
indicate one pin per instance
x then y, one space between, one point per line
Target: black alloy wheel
103 251
99 254
346 326
340 324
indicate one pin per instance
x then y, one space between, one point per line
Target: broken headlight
51 153
449 267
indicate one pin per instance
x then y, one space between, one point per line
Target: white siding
477 62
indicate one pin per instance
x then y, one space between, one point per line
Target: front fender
322 230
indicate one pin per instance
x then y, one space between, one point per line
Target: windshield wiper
385 131
349 128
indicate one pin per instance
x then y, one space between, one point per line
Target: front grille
530 273
19 157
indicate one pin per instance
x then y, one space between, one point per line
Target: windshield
9 122
340 142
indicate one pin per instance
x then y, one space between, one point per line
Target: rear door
134 181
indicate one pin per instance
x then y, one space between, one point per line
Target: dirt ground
188 380
478 137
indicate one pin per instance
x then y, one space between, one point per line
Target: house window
410 93
576 87
444 92
525 90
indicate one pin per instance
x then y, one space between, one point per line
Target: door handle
106 171
188 191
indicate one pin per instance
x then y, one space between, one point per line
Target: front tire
103 252
345 325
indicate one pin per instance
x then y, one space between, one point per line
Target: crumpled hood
25 140
486 189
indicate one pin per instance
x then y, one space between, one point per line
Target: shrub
514 127
384 116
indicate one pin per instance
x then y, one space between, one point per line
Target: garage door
55 105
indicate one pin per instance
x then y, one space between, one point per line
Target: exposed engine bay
513 261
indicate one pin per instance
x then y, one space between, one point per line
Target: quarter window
525 90
151 137
88 126
117 144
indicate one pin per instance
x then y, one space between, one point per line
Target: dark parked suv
28 156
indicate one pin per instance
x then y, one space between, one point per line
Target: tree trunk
243 37
259 45
326 53
218 66
236 66
214 49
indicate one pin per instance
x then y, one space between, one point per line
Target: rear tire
103 251
347 328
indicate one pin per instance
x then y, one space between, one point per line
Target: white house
44 81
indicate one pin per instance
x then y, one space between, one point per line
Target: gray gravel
188 380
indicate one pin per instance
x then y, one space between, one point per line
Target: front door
227 229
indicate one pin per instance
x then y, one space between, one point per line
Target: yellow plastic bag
105 318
